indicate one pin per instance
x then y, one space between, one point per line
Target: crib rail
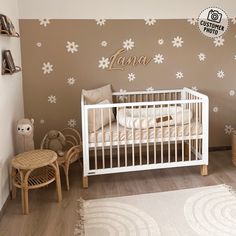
151 129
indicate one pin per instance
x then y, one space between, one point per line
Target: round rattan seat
34 169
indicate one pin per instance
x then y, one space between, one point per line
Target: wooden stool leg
23 200
26 199
58 183
85 181
66 170
204 170
13 187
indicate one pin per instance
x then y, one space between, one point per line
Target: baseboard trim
220 148
2 211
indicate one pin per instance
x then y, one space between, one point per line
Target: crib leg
85 181
204 170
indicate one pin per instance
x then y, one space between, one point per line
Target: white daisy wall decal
47 68
158 59
231 92
104 43
149 89
71 123
72 47
215 109
234 57
219 41
228 129
39 44
201 56
52 99
128 44
103 63
177 42
160 41
220 74
122 97
131 77
100 22
44 22
71 81
179 75
192 21
233 20
150 21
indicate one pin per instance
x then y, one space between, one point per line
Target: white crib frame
202 158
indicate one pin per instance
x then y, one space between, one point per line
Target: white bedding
149 117
167 133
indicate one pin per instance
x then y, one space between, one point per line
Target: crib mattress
108 136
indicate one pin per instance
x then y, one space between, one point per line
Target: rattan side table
34 169
234 147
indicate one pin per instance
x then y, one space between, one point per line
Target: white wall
11 99
119 9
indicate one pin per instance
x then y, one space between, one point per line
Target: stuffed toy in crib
24 135
54 140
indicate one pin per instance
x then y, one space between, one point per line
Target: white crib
169 142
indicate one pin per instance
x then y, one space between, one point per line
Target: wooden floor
49 218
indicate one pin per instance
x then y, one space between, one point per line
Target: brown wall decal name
118 61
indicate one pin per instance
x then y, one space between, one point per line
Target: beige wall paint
112 9
11 100
83 67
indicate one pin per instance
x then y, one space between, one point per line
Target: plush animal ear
32 121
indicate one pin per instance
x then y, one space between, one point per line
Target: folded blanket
149 117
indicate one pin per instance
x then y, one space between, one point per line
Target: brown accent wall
42 44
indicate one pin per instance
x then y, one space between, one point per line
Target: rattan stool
34 169
234 147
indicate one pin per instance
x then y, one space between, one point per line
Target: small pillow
98 119
95 96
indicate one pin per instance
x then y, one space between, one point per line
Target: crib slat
133 137
155 135
176 154
196 131
140 138
162 134
125 139
118 138
169 133
103 141
111 137
95 140
147 134
189 130
182 132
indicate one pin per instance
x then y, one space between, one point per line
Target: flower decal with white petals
234 57
100 22
177 42
220 74
219 41
47 68
128 44
104 43
149 89
215 109
201 56
52 99
103 63
231 92
72 47
150 21
158 58
192 21
123 97
44 22
39 44
131 77
160 41
228 129
179 75
71 81
71 123
233 20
